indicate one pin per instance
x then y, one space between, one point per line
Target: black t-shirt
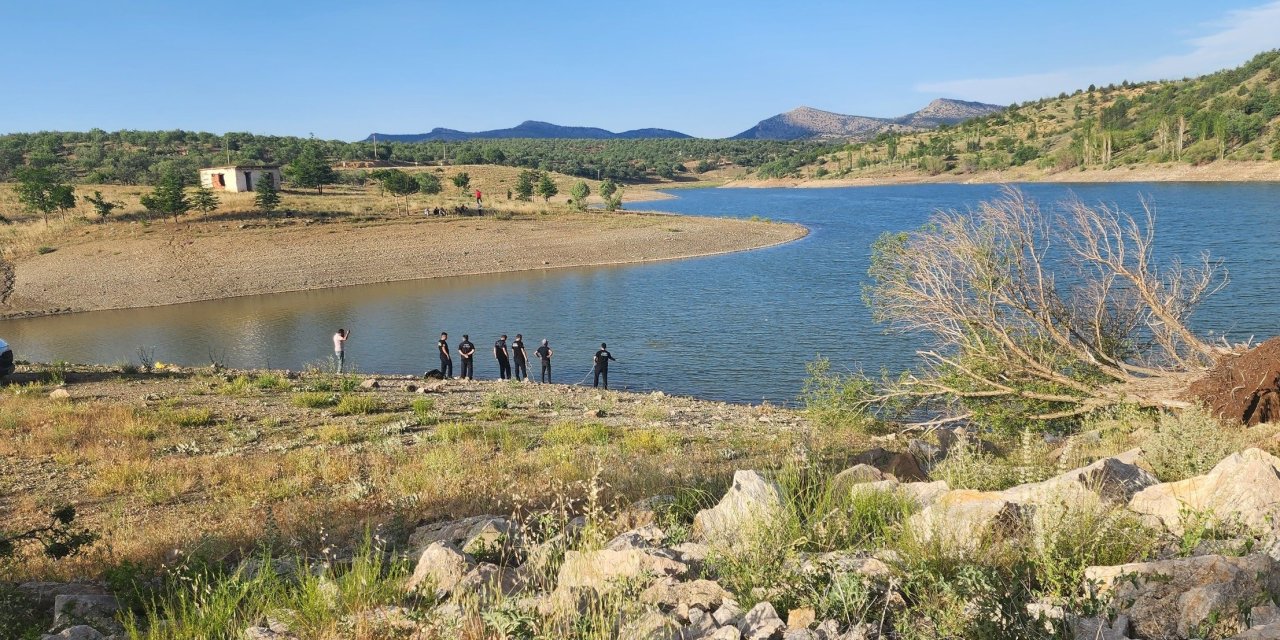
466 348
517 348
544 352
443 348
602 359
500 349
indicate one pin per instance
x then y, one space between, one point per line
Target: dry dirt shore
1175 172
131 265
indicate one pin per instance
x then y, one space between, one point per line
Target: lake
737 327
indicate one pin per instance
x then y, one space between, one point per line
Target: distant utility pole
375 147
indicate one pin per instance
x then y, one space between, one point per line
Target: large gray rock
962 519
42 594
492 537
455 532
650 625
1244 487
95 611
1115 480
1175 598
442 566
751 503
858 474
761 623
78 632
602 570
646 537
670 594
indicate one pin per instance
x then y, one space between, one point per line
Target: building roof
237 167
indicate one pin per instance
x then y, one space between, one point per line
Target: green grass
271 382
576 433
350 405
237 387
199 602
314 400
193 417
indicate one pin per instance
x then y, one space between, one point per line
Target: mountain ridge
528 129
805 122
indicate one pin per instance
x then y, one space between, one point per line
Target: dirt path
125 265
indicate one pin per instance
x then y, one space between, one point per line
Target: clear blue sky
345 69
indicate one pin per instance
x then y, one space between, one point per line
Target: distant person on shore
468 353
446 360
521 357
544 354
504 361
478 198
340 347
601 361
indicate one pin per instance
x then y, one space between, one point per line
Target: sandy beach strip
171 263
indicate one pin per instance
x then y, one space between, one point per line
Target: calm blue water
737 327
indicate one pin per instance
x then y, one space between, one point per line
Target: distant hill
808 123
947 111
528 129
1231 115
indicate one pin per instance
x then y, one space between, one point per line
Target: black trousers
446 366
522 369
602 375
468 368
504 368
546 370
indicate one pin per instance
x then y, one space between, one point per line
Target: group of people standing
505 355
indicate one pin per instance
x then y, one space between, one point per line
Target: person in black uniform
521 358
446 360
602 365
504 361
468 353
544 354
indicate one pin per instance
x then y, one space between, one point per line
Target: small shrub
497 401
1189 444
238 386
967 466
44 250
350 405
453 432
424 408
314 400
192 417
647 441
575 433
271 382
834 400
338 434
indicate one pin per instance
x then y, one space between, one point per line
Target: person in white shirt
340 347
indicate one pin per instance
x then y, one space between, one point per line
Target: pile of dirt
1243 387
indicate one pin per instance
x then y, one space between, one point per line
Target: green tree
428 183
399 183
614 201
525 184
266 196
102 205
547 188
607 189
462 181
205 200
310 170
41 190
579 193
169 197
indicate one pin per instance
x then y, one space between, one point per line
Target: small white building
238 177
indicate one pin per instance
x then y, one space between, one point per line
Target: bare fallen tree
1036 314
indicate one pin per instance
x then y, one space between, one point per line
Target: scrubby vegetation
1229 115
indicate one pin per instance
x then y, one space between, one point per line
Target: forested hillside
1228 115
141 157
